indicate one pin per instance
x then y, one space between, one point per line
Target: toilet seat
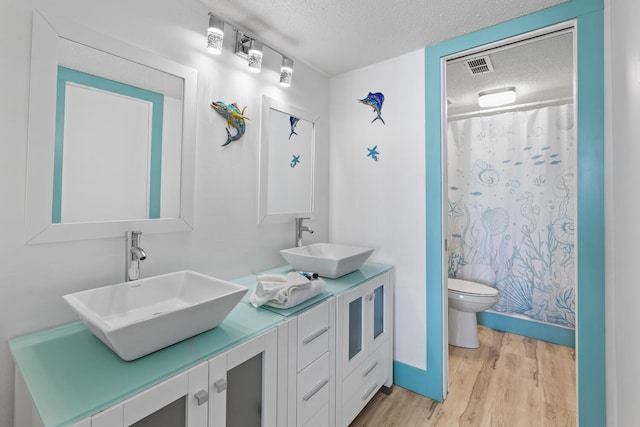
464 287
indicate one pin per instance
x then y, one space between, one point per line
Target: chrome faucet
133 255
299 229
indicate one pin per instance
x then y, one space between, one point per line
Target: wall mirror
111 137
287 162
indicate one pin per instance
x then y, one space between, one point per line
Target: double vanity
140 357
314 364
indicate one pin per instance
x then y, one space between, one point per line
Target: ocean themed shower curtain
512 208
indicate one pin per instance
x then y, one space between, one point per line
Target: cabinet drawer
360 386
313 389
320 419
313 334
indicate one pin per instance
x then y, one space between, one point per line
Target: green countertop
72 375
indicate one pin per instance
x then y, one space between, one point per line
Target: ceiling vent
479 65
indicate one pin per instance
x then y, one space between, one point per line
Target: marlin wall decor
294 122
375 101
235 119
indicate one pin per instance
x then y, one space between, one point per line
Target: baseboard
540 331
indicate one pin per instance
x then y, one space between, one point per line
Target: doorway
510 180
590 207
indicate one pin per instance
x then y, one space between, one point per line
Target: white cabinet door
365 321
180 400
243 384
363 345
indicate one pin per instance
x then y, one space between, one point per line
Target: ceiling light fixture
247 46
286 72
215 34
497 97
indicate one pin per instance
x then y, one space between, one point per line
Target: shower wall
512 209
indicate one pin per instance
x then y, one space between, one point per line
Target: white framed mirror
111 137
287 162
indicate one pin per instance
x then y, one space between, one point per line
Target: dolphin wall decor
235 119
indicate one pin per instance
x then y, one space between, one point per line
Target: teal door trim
589 18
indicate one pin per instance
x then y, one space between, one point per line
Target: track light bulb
254 56
286 72
215 34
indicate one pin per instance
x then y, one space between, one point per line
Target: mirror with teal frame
590 331
103 129
111 137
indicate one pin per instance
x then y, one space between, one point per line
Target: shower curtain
512 209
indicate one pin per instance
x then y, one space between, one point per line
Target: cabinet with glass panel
363 345
235 388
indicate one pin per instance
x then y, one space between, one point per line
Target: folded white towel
284 291
300 295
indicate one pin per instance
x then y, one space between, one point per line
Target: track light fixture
247 46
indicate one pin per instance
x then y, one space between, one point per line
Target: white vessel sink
327 259
137 318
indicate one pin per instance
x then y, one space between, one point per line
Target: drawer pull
315 335
316 389
220 385
202 397
371 368
369 392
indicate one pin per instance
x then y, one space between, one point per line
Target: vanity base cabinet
306 363
317 367
237 388
364 344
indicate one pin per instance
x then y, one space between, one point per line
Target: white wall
226 241
382 204
623 205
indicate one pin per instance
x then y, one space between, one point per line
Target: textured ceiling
335 36
540 69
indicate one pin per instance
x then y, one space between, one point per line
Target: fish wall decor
375 101
294 122
235 119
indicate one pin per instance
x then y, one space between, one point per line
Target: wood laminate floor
510 381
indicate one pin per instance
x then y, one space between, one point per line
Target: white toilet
465 300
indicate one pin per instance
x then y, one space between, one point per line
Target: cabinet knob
371 297
202 397
220 385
